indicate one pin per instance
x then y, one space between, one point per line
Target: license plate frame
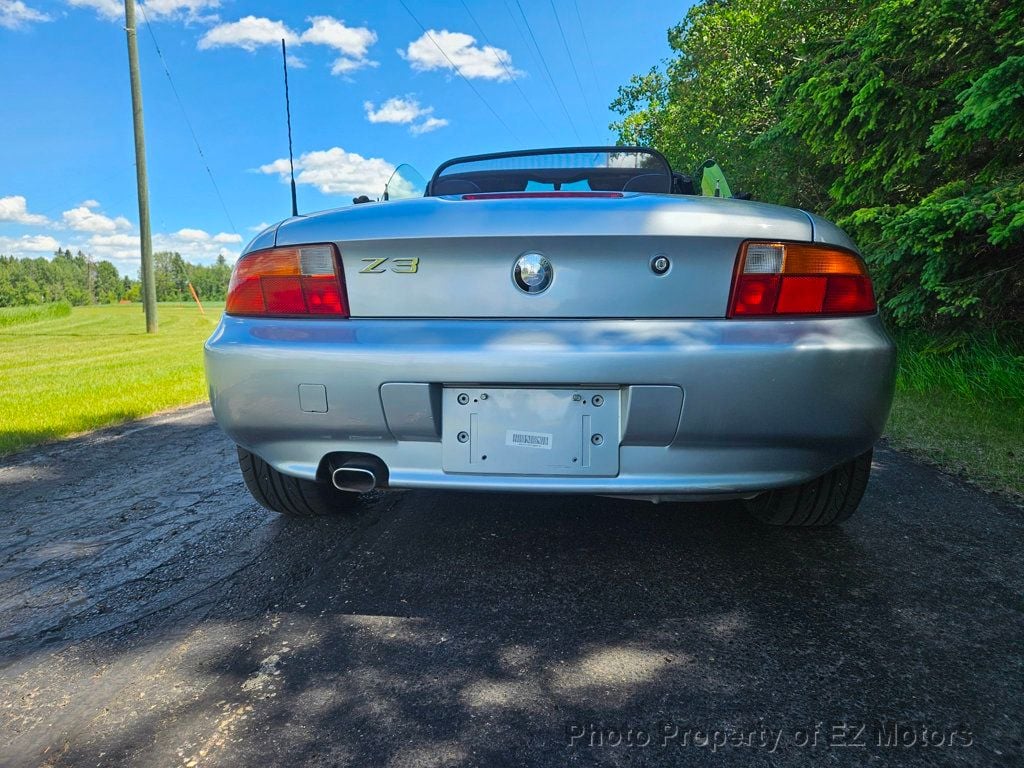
530 430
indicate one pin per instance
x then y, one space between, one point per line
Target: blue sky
370 89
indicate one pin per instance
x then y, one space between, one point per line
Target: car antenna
288 114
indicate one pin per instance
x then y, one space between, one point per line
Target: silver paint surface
705 404
766 403
600 249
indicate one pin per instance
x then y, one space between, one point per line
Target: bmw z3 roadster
555 321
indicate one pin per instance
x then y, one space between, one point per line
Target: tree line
79 280
903 120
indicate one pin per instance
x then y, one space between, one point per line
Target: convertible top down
559 321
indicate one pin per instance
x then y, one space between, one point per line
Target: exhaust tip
355 479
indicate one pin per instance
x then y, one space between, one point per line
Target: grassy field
960 403
97 367
20 315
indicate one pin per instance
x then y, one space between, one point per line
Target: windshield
619 169
405 182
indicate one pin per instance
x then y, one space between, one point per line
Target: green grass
98 367
19 315
960 403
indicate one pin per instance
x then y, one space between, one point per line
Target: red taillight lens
775 279
299 280
756 295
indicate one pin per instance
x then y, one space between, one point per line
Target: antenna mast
288 113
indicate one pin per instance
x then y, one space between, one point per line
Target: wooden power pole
145 234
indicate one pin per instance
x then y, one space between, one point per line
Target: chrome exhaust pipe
352 478
358 473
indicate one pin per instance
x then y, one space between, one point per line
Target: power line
459 71
184 114
547 70
526 43
586 44
508 71
519 30
572 63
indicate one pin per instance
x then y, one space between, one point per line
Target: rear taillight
799 279
298 280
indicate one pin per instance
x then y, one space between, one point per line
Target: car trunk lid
451 257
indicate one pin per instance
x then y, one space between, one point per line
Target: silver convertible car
573 321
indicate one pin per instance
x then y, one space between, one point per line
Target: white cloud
15 14
115 241
14 209
342 65
156 10
248 33
404 111
86 228
252 32
428 125
191 10
195 245
336 172
352 41
193 235
294 62
108 9
395 110
487 62
86 218
122 248
28 244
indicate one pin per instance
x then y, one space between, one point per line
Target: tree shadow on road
483 629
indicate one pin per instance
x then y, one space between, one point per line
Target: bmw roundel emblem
532 273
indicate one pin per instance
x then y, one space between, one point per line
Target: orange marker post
196 297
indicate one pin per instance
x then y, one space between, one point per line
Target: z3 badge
400 266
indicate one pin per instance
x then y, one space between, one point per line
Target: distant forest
78 280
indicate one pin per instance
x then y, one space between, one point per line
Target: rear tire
290 495
828 500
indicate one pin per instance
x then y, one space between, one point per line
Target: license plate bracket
530 431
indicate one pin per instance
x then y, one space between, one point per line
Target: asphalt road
152 615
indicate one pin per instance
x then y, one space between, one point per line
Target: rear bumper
763 403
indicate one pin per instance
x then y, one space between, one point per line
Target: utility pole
145 234
90 284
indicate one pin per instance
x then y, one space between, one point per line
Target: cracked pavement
152 614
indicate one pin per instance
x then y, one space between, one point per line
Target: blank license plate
524 431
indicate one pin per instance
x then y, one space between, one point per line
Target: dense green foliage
74 279
78 280
172 275
33 313
901 119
